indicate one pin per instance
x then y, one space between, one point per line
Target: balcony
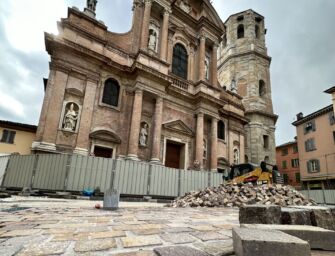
180 83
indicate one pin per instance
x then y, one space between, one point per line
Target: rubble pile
241 195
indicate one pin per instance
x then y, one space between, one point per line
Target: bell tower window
240 31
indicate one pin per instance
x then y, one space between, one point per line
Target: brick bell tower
244 68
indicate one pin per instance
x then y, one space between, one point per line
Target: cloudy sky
300 39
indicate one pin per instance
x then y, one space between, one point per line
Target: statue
144 135
152 40
92 4
70 119
185 6
233 86
207 68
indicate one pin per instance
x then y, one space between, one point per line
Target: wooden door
172 158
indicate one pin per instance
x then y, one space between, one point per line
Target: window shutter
317 164
309 166
11 137
306 145
4 136
312 144
313 125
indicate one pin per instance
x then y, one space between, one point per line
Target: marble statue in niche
207 63
144 134
70 117
153 37
152 40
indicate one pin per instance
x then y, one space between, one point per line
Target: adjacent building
151 94
316 143
16 138
244 68
287 156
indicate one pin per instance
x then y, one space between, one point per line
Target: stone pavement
75 227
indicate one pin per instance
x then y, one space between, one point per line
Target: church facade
151 94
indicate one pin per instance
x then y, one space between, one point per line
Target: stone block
260 214
111 199
295 216
318 238
140 241
251 242
178 251
320 216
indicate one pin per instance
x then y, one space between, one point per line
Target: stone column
145 27
199 143
214 144
215 66
156 145
135 125
202 53
164 37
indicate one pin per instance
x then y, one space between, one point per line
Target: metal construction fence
76 173
3 166
320 196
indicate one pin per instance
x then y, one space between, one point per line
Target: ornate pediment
105 135
178 126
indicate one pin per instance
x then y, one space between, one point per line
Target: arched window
257 31
240 31
261 87
180 59
111 93
221 130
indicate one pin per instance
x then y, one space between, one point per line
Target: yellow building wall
22 142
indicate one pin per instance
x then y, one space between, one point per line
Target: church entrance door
103 152
173 154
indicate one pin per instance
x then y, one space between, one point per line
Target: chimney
300 116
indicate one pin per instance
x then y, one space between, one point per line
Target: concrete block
318 238
294 216
321 216
252 242
260 214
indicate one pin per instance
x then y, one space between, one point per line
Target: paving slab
252 242
95 245
141 241
49 248
178 251
318 238
216 248
180 238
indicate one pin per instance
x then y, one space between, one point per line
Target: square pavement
75 227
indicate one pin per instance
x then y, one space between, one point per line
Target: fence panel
50 172
330 196
164 181
19 172
216 179
89 173
192 180
131 177
3 164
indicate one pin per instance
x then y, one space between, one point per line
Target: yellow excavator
251 173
